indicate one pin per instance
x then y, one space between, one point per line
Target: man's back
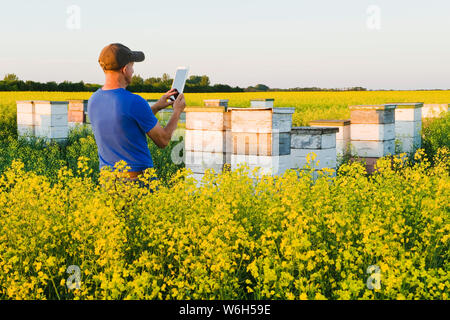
120 121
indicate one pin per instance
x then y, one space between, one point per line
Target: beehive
372 130
342 136
261 131
25 118
51 119
408 126
43 119
207 140
77 112
261 138
319 140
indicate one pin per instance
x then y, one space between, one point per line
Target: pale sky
282 43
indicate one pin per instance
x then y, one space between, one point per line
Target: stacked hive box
342 136
77 113
25 118
44 119
408 126
261 138
207 139
319 140
262 103
51 120
216 103
434 110
372 131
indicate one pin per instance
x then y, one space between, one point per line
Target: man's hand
163 102
179 104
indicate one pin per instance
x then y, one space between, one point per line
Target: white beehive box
377 149
52 132
207 129
408 126
25 130
216 103
325 158
51 107
261 120
263 144
342 136
199 161
50 120
261 131
373 131
269 165
207 141
310 139
408 111
25 118
208 118
318 140
410 144
262 103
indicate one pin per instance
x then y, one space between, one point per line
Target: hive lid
283 110
216 100
314 130
373 107
49 102
408 105
250 109
274 110
205 109
334 122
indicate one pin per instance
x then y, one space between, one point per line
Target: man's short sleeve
143 114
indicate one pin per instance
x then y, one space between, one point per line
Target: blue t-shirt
120 121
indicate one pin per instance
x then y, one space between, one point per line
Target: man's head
117 61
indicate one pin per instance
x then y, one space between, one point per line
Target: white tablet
180 80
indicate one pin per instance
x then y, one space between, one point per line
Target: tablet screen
180 79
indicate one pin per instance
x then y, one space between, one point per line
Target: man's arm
162 136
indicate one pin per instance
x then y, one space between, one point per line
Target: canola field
69 232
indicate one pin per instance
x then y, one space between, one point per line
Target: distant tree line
12 83
164 83
138 84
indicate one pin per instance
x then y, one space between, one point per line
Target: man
121 120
